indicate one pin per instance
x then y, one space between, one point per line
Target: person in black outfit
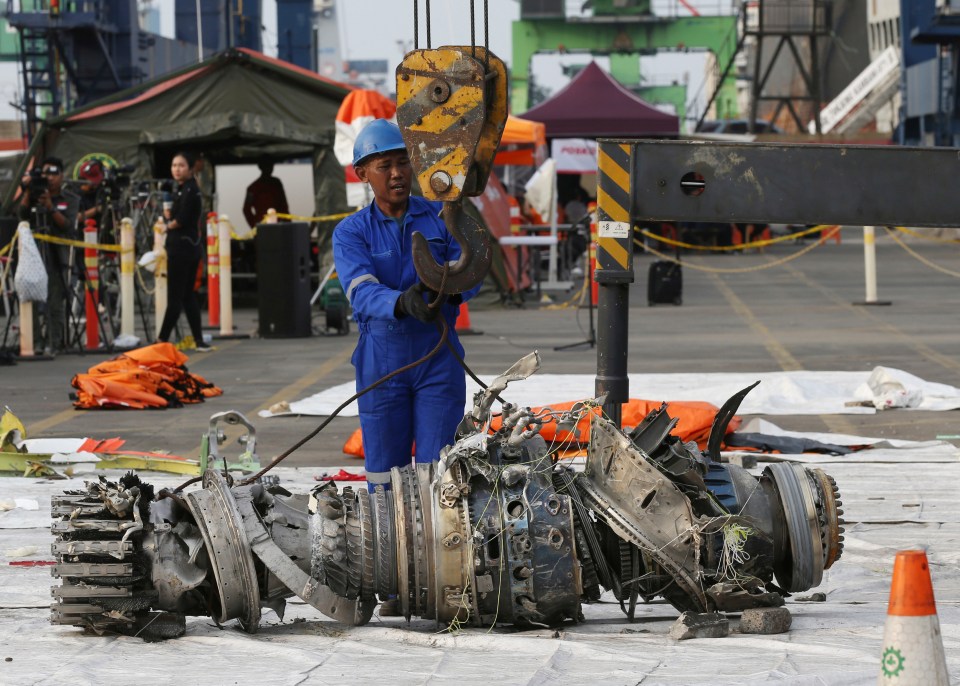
51 209
91 177
184 251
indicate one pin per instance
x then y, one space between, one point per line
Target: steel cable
444 340
299 444
743 246
473 29
917 256
444 334
732 270
917 234
486 33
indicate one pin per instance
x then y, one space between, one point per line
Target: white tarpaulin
779 393
540 190
889 507
886 450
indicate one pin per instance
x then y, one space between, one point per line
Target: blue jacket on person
424 405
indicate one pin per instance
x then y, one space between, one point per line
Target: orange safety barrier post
213 270
912 645
226 278
749 235
515 219
594 286
127 286
26 308
828 233
226 281
92 299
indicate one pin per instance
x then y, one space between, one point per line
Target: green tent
236 106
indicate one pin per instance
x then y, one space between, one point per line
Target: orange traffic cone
912 645
828 233
463 322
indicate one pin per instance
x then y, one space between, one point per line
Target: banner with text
574 155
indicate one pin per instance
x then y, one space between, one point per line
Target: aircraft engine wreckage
494 533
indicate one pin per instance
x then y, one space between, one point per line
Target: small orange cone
828 233
912 644
463 322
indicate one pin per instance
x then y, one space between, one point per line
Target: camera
115 179
37 184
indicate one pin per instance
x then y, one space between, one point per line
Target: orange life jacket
152 376
695 418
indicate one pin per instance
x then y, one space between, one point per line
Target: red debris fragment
33 563
342 475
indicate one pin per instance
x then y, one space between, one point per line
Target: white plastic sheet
837 642
779 393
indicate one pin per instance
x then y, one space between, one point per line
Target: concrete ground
736 316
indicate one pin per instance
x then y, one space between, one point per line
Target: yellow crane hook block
452 108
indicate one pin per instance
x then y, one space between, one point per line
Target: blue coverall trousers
420 406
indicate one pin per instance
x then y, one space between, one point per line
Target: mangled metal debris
493 533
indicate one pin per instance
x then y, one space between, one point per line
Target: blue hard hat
377 137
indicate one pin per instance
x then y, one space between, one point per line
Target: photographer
91 177
51 210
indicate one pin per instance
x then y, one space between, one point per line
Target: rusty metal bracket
699 181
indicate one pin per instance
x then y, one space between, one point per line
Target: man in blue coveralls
372 249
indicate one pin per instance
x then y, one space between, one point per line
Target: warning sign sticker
614 230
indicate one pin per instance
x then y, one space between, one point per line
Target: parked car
738 126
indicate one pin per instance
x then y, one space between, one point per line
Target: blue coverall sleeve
355 269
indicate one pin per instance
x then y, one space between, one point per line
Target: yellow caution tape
577 298
233 232
917 234
742 246
301 218
279 215
102 247
47 238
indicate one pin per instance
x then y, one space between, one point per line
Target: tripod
591 339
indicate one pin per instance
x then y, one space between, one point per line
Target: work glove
412 304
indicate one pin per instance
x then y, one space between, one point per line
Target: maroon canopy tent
595 105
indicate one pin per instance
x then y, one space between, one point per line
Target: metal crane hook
475 253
